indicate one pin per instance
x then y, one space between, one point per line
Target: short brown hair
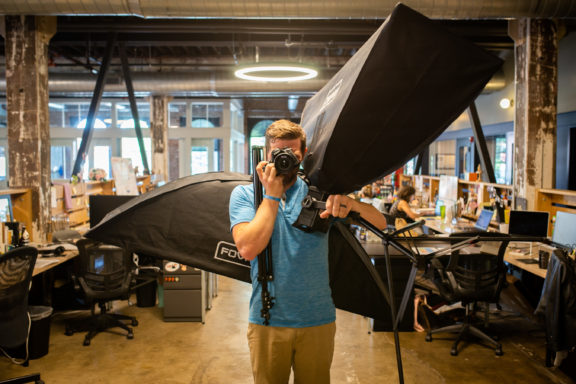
285 130
405 192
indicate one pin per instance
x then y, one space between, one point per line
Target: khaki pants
275 350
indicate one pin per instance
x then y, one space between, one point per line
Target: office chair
104 275
472 277
16 268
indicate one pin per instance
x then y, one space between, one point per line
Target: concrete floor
217 352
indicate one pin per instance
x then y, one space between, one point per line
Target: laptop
481 225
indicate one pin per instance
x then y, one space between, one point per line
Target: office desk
44 264
513 257
43 277
516 258
439 226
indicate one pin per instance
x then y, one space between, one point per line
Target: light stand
265 269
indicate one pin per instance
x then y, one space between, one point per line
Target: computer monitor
564 230
100 205
528 223
6 214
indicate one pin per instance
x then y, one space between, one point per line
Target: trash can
39 331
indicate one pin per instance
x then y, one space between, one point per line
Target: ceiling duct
304 9
193 84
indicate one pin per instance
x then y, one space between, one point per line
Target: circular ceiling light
276 73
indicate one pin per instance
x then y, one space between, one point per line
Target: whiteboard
124 176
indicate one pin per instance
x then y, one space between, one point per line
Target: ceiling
196 57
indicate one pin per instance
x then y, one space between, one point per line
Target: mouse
59 250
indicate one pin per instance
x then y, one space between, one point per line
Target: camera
284 160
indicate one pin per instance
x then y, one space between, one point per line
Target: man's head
285 130
286 134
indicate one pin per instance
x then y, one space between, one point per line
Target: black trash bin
39 331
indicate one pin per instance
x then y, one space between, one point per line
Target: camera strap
265 270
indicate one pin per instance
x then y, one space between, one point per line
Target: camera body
284 160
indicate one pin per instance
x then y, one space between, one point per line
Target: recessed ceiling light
276 72
505 103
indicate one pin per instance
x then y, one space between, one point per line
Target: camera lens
283 163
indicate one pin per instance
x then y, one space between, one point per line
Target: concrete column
159 135
536 78
27 97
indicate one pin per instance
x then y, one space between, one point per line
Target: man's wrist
274 198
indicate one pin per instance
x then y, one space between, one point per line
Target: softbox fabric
355 283
186 221
395 96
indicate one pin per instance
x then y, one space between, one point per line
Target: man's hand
340 206
273 185
337 206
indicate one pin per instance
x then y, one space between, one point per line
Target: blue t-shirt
300 264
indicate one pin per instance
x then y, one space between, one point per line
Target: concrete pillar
27 39
159 135
536 78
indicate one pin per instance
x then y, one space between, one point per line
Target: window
131 150
205 156
500 159
177 115
75 115
102 159
3 163
124 115
56 112
258 131
3 115
206 115
62 155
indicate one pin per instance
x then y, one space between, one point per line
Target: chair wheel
134 322
499 351
69 331
454 352
130 335
86 342
39 381
428 337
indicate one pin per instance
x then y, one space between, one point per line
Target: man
300 334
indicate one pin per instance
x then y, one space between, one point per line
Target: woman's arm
405 207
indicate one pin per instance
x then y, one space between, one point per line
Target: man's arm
252 237
340 206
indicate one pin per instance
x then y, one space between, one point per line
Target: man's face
294 145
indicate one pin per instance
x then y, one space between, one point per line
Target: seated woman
401 207
404 215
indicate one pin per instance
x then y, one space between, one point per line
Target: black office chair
104 275
16 268
477 276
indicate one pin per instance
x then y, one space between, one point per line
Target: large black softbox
399 92
186 221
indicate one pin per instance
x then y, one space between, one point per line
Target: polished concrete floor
217 352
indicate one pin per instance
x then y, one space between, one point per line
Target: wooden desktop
45 263
511 256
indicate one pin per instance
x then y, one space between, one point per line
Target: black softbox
186 221
395 96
